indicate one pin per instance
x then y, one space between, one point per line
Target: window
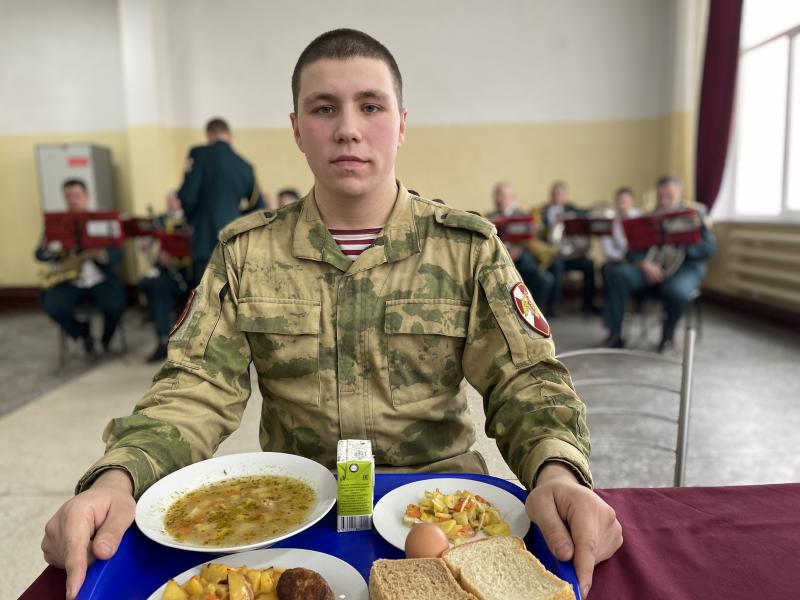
765 157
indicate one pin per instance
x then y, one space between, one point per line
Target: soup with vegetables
240 511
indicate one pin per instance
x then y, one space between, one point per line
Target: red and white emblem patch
526 307
184 312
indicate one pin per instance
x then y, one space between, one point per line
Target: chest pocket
284 342
425 341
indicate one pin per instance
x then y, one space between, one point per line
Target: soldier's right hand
89 525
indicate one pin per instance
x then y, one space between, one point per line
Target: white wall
463 61
66 66
59 66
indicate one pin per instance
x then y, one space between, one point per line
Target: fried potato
222 582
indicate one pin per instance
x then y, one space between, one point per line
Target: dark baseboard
781 316
27 298
19 298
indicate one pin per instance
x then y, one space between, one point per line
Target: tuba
668 257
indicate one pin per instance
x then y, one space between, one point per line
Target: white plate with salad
474 499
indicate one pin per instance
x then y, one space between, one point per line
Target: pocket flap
274 315
431 317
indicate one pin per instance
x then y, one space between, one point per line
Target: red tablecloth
680 544
704 543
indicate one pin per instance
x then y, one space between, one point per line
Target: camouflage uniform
373 349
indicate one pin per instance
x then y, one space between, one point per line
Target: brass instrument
668 257
566 246
58 271
542 251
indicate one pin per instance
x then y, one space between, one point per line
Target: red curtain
716 98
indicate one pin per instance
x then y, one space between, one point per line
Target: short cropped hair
341 44
669 179
216 126
289 192
70 182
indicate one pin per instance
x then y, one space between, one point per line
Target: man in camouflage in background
375 348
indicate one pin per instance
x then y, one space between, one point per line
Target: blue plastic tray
141 566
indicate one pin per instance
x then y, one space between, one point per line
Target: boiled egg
426 540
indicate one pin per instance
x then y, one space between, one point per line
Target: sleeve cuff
132 460
554 449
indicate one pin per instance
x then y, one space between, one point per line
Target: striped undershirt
354 241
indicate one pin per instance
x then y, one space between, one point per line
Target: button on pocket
425 341
284 341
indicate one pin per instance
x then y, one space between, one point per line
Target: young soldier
357 343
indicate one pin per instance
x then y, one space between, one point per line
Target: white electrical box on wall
56 163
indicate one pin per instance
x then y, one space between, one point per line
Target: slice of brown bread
414 579
500 568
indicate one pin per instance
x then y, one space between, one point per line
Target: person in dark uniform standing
219 186
90 277
166 283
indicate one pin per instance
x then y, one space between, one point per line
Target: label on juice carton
355 472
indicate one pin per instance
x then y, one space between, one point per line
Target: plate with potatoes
268 574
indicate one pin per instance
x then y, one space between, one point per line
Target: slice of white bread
501 568
414 579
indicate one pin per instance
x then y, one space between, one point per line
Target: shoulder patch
244 224
461 219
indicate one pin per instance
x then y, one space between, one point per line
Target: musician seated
88 275
165 283
570 258
615 246
674 272
287 196
538 281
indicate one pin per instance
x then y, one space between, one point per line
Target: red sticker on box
78 161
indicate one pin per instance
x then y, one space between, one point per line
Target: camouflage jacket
373 349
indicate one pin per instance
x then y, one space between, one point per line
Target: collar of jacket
398 240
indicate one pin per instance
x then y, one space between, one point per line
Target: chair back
622 375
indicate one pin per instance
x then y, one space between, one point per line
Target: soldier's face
76 197
348 124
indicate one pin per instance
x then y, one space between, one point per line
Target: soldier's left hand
576 523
